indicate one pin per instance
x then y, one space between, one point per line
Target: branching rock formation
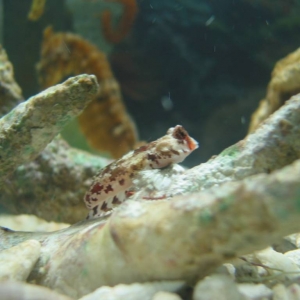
27 129
285 82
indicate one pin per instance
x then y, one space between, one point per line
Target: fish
115 182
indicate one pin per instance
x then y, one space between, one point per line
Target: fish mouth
192 144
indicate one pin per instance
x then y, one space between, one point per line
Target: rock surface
11 290
137 291
217 287
284 84
29 127
17 262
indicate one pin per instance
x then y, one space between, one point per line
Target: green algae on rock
53 185
55 172
210 227
32 190
120 250
272 146
29 127
193 233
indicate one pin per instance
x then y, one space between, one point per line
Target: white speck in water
210 20
151 6
267 22
243 120
167 103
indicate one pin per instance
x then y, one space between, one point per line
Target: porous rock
17 262
217 287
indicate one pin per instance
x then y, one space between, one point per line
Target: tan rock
285 82
11 290
136 291
166 296
30 223
18 261
217 287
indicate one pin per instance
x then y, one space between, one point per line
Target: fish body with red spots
112 185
